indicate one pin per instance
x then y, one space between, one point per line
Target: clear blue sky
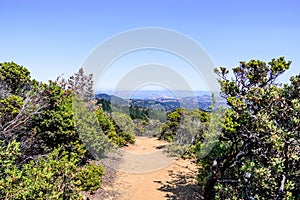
55 37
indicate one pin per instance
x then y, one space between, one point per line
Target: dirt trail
145 172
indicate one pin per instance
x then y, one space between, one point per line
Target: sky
55 37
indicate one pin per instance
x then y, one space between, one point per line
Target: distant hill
154 94
113 99
162 100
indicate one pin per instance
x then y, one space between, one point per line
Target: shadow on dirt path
148 174
182 186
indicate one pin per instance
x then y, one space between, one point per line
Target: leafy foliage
15 79
258 151
88 177
107 126
54 176
147 127
89 129
138 112
105 105
183 129
182 124
42 155
10 107
56 125
124 128
118 127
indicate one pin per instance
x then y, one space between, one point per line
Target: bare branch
33 105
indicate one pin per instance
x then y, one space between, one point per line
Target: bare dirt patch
175 180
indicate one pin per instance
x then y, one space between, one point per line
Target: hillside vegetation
51 133
257 153
46 136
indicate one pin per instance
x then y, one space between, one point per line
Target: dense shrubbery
49 131
183 129
138 112
53 176
42 154
56 175
124 127
257 154
118 127
184 124
147 127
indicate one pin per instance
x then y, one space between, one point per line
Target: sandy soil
145 172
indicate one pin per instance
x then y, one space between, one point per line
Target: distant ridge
153 94
112 98
162 100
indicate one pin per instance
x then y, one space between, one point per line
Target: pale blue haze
55 37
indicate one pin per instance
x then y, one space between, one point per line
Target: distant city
161 99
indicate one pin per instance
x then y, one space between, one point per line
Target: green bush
119 128
88 178
90 130
183 123
258 152
42 155
57 175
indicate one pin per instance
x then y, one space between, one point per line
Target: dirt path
145 172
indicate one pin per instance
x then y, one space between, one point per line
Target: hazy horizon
51 38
